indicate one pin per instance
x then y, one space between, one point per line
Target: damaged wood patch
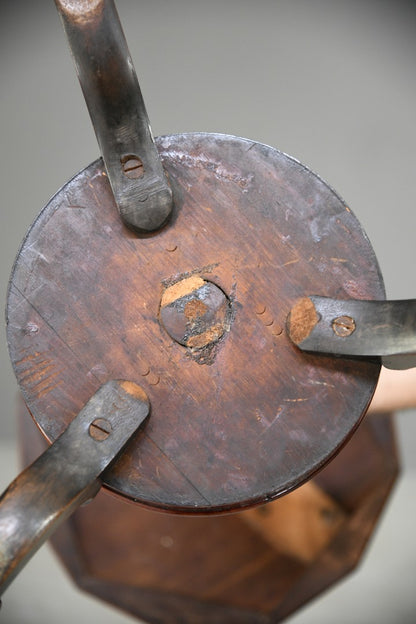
302 320
195 312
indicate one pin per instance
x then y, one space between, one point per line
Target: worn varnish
235 420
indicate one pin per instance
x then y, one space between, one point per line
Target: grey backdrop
330 82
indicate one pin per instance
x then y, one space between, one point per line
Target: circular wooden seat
239 415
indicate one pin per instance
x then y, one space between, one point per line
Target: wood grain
299 525
246 418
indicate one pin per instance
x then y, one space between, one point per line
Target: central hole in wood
195 312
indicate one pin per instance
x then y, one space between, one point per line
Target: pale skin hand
396 390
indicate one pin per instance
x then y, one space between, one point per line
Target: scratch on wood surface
216 166
260 417
12 309
314 382
28 358
41 256
43 383
39 375
31 376
153 379
255 266
291 262
93 191
265 422
343 226
44 391
45 378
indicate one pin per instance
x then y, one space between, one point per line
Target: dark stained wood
243 419
229 569
67 474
